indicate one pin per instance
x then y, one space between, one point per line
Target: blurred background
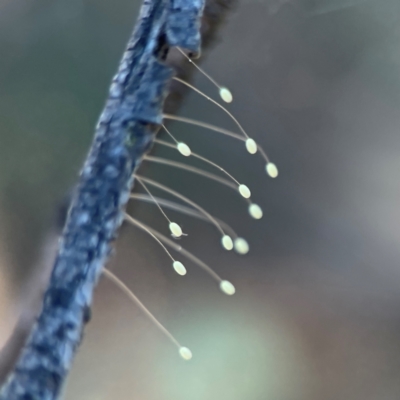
317 309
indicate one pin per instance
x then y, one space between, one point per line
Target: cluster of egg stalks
240 245
236 243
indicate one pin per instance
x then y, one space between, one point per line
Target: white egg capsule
184 149
225 95
227 288
179 268
251 146
185 353
175 229
244 191
272 170
241 246
227 242
255 211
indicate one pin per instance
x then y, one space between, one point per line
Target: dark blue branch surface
124 133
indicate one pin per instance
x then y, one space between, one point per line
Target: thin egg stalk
224 92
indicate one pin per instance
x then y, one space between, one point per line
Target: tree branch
124 133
